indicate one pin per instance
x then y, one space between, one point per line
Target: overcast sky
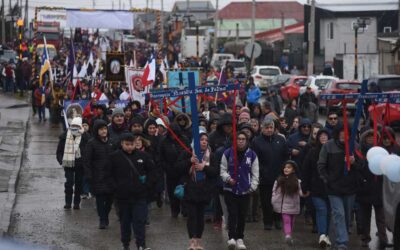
125 4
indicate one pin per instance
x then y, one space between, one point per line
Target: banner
115 67
134 79
100 19
179 79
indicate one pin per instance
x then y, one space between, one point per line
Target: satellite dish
252 50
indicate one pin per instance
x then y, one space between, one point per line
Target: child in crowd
286 197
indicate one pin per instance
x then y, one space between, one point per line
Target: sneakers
240 245
144 248
324 241
231 244
289 240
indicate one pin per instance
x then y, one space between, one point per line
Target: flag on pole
163 71
74 76
45 66
149 73
71 58
96 68
134 59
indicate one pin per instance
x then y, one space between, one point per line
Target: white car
239 66
263 75
217 58
317 83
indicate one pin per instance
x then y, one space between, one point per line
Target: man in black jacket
98 171
272 152
341 183
219 137
133 174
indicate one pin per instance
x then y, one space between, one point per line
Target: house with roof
335 34
270 15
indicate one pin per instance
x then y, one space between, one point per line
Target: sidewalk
14 117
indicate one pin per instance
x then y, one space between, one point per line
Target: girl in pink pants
286 197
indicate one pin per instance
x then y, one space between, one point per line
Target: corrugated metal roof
349 6
264 10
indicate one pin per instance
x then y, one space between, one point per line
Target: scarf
71 150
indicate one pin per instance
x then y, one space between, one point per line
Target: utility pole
162 22
237 39
26 18
398 20
130 4
215 45
112 4
253 28
3 23
119 4
311 40
94 4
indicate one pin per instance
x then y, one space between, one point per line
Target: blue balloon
374 164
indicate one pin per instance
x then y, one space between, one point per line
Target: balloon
392 169
388 160
376 151
374 164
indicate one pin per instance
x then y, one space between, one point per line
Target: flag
74 76
96 68
149 73
131 63
45 65
71 58
176 65
83 72
90 64
163 71
134 59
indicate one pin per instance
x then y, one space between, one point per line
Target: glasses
332 118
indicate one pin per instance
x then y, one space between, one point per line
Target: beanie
118 111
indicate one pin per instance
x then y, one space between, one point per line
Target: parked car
239 66
291 89
278 81
317 83
263 76
385 83
340 87
7 54
50 49
217 58
391 206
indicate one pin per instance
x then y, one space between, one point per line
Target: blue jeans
133 214
9 87
42 112
321 211
341 207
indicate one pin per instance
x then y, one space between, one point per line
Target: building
197 10
235 18
335 35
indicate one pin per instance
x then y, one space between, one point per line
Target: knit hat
77 121
118 111
85 121
244 115
160 122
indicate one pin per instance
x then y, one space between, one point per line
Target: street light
197 38
361 23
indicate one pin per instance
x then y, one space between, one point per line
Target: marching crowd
280 160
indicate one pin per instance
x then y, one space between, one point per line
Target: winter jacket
285 204
253 95
96 162
218 137
272 152
293 142
128 185
187 130
371 186
200 190
290 114
247 172
312 181
82 147
331 167
115 134
169 152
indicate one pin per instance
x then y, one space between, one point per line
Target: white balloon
388 160
376 151
392 169
374 164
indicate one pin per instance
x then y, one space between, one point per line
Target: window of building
387 29
329 31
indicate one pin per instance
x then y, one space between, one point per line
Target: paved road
39 217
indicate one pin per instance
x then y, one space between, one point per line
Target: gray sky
125 4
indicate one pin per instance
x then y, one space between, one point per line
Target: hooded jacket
187 130
331 167
294 139
96 162
218 137
312 181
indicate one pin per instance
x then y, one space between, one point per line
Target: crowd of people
280 160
